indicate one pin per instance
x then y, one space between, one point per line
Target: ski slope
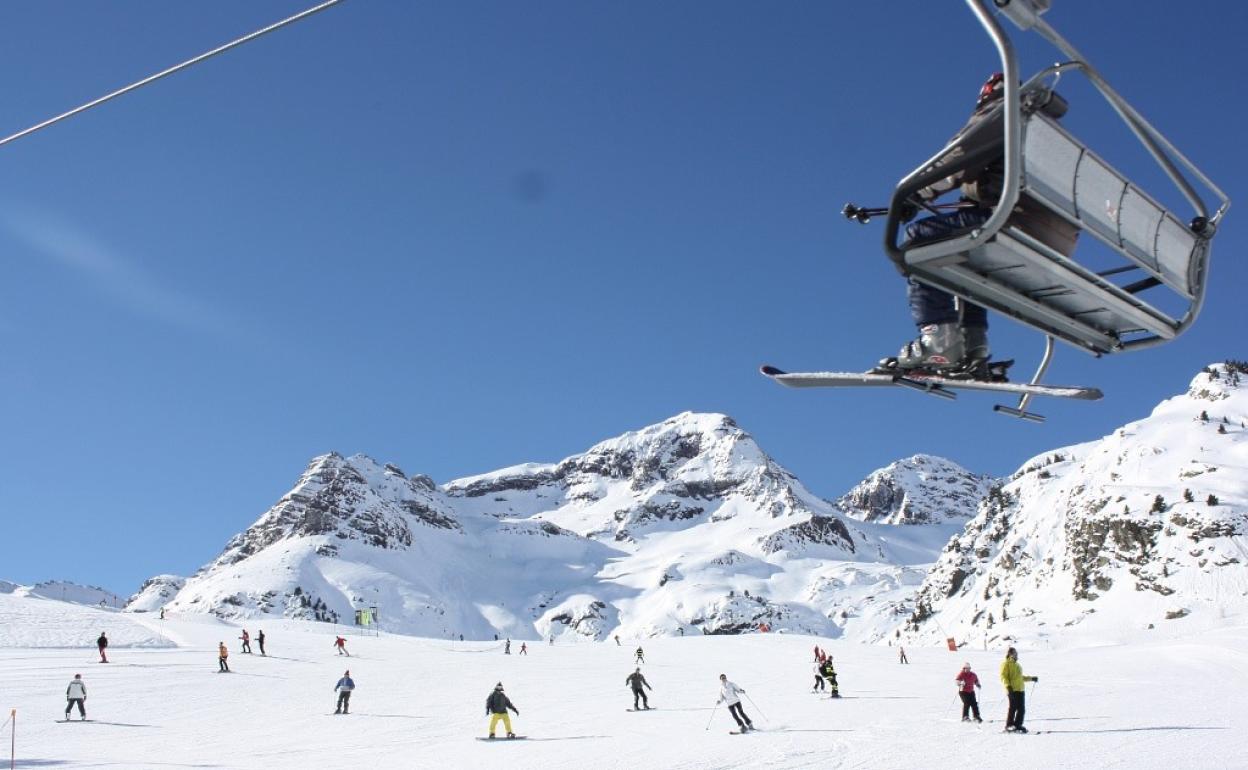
419 703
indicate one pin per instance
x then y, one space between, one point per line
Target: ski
63 721
503 740
940 386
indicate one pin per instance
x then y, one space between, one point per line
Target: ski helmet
993 88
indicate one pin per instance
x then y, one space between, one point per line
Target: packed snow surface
1162 702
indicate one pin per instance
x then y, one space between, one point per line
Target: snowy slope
419 703
1139 532
29 620
684 527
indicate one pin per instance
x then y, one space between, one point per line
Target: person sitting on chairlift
953 334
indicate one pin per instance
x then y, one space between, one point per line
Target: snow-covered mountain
1138 531
917 490
65 591
682 527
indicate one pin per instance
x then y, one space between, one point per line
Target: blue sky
458 236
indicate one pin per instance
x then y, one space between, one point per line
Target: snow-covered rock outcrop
1132 532
917 490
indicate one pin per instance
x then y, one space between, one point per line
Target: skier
902 655
76 694
222 654
260 639
496 706
344 688
637 681
967 682
246 641
524 648
729 693
617 640
818 654
829 673
639 656
951 337
341 644
102 645
507 647
818 677
1016 689
162 613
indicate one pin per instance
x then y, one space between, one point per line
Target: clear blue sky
458 236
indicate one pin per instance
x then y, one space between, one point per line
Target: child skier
967 682
246 642
341 644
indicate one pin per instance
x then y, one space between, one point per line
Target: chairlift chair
1001 266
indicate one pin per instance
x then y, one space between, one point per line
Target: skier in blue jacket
344 688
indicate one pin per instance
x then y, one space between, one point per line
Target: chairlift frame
1007 270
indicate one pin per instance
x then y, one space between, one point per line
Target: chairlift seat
1017 274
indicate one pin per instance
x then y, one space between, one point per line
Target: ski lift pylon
1003 267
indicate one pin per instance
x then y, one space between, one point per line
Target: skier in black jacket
637 681
496 706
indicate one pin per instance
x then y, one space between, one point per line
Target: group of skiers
498 704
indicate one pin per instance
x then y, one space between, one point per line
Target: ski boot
939 347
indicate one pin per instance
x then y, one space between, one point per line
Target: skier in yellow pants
496 706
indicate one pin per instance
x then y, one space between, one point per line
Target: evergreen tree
1159 505
1188 496
1211 500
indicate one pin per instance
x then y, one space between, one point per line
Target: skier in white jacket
76 695
730 694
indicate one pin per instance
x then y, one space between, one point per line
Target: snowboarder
829 673
524 648
818 677
953 337
1016 690
344 688
639 656
902 655
341 644
730 694
246 637
222 653
102 645
76 694
260 640
637 681
507 647
967 682
496 706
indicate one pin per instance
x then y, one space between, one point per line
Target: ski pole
708 722
755 705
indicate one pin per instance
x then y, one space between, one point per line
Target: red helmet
993 88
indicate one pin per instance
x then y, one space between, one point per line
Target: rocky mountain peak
921 489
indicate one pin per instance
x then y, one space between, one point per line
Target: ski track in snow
419 703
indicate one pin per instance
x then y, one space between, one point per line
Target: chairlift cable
166 72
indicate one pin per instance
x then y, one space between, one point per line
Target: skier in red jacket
967 682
